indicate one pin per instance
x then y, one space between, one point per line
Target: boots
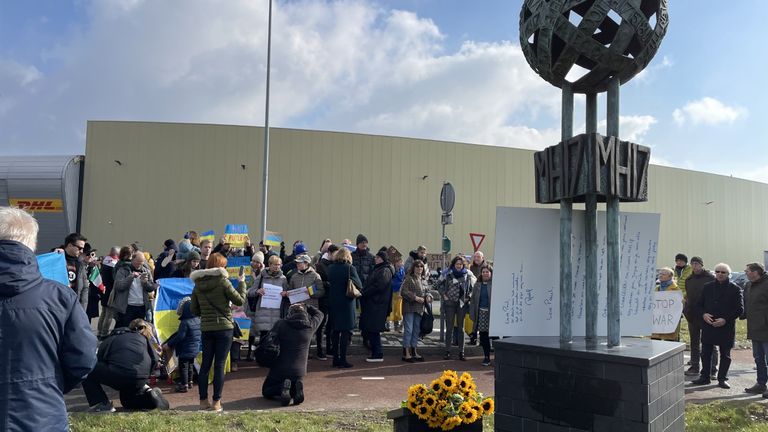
251 341
415 356
217 406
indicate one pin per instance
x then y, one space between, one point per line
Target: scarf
458 274
663 285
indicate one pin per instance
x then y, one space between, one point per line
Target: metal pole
566 218
590 235
612 228
265 169
442 313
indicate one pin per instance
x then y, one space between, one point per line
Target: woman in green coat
210 301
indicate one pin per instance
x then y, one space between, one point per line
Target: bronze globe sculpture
608 38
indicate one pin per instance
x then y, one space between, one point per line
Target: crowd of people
713 303
350 288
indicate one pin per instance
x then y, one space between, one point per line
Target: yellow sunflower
487 406
430 400
435 385
435 422
451 422
468 416
448 383
413 405
422 411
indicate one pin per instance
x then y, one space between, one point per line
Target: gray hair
727 267
18 225
114 250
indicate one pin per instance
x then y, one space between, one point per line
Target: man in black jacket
294 334
694 287
126 360
46 343
722 303
376 304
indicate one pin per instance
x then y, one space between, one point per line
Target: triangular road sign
477 240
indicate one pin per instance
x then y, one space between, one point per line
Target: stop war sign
667 309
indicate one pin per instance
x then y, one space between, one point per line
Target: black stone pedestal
541 386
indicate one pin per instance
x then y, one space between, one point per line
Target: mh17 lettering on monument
592 164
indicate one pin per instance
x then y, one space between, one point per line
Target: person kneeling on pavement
125 361
294 334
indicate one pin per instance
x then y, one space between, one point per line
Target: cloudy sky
440 69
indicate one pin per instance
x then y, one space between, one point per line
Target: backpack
268 351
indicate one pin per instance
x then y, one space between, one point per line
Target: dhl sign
37 205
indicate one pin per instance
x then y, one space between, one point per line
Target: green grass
711 417
256 421
732 417
741 334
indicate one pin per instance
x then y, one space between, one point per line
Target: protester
415 295
186 343
47 348
74 244
95 284
362 258
166 260
682 271
206 248
480 310
265 318
722 303
211 297
342 307
667 283
133 283
288 261
693 314
325 326
107 314
306 277
323 249
253 285
396 316
294 334
478 261
756 305
189 265
420 254
376 304
126 359
455 287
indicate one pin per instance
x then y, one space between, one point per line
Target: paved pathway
383 385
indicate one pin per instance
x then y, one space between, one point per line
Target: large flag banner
53 266
170 293
235 235
233 268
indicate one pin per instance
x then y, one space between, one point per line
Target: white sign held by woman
667 309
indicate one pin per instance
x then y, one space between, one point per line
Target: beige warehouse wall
175 177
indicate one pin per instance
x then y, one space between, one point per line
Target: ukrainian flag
208 235
170 293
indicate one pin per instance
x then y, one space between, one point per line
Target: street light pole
265 185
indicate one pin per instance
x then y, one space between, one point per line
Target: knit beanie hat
697 259
299 249
361 238
194 255
383 255
258 257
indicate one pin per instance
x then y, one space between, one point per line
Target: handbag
352 291
427 320
267 351
237 333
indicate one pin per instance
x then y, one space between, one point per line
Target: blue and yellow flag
170 293
53 266
208 235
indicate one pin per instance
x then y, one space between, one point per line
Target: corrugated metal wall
174 177
44 177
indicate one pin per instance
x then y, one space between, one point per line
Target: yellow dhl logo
38 205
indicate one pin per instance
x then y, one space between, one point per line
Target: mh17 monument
546 378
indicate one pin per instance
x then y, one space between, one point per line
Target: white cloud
709 111
648 74
632 128
346 65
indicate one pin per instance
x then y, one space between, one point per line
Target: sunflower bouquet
448 401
